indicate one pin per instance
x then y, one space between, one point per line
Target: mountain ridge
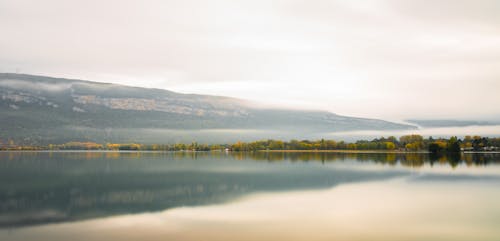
44 109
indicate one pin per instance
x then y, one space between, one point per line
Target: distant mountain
39 109
451 123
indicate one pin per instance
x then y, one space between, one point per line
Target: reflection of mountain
43 187
44 109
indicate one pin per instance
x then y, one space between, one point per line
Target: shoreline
190 151
347 151
262 151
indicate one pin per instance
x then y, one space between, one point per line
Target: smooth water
248 196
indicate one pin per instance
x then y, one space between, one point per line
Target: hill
40 109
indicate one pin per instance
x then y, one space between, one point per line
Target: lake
248 196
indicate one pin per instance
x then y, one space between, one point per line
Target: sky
389 59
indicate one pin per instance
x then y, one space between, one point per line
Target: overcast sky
385 59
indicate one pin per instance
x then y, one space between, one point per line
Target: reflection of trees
404 159
413 159
391 158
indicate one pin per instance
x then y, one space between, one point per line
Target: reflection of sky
427 168
378 210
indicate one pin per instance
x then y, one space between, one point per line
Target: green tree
453 145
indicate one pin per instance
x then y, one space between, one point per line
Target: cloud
413 58
27 85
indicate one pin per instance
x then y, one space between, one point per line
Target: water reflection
46 187
368 211
391 158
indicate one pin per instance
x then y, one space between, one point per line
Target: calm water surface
245 196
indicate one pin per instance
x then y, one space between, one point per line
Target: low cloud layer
380 58
27 85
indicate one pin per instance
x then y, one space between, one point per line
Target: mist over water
228 136
446 132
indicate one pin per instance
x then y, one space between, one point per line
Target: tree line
403 143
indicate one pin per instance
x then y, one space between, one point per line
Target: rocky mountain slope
39 109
